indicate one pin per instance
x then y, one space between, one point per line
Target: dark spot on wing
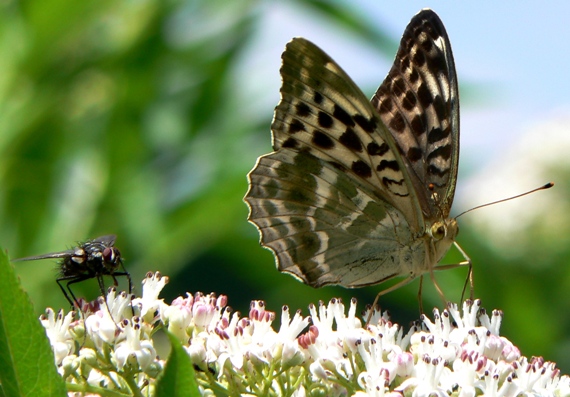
386 105
296 126
361 169
424 95
433 170
364 123
318 98
388 164
417 126
439 107
414 154
374 149
437 134
409 101
443 151
290 143
341 115
419 59
302 109
427 45
322 140
398 86
338 166
414 76
350 140
325 120
398 123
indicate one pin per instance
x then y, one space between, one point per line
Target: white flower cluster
328 353
112 348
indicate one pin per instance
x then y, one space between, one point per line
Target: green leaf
178 378
27 363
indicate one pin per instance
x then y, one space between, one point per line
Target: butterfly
92 259
358 192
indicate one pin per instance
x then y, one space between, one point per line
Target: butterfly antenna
547 186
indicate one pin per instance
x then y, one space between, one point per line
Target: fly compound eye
438 231
110 254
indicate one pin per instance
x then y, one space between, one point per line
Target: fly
92 259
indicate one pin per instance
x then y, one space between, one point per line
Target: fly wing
108 240
52 255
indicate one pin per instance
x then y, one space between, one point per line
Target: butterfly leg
420 301
469 279
437 287
384 292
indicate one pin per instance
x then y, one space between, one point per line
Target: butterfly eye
438 231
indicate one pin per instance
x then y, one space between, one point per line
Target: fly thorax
79 255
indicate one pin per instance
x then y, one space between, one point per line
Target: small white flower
318 371
194 314
373 385
291 328
133 349
101 327
149 302
198 354
119 306
58 332
231 344
178 316
99 379
203 311
510 352
404 364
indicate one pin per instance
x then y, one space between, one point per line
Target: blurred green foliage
129 118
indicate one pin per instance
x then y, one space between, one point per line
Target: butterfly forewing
352 186
419 102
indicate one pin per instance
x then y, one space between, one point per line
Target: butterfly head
444 232
443 235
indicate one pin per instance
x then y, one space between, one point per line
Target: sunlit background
142 119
